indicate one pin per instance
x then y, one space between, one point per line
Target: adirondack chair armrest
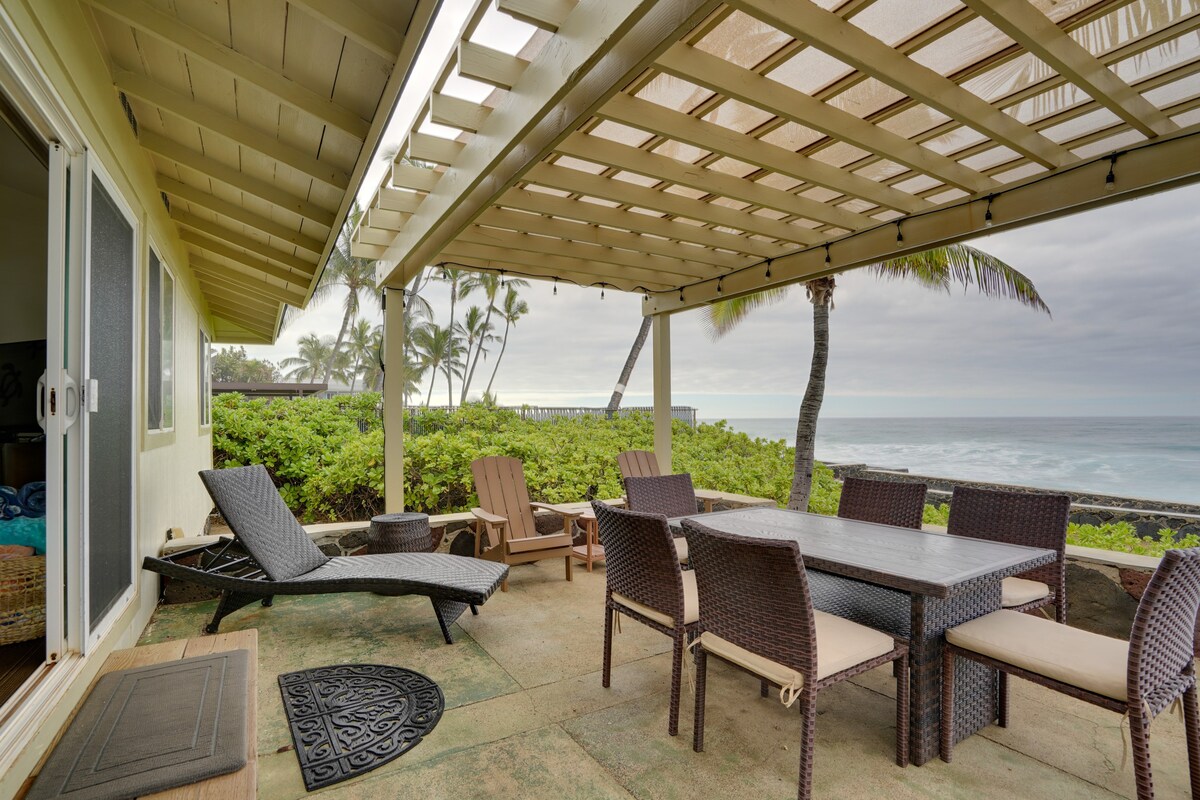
488 518
567 513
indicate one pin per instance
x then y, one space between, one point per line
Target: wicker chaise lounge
271 554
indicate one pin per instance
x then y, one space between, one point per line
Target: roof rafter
348 19
245 282
847 42
577 182
651 117
211 229
1034 31
599 150
231 176
692 64
161 25
186 108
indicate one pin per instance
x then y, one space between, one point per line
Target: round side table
399 533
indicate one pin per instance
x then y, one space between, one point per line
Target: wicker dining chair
669 495
756 614
1140 678
1034 520
886 502
643 581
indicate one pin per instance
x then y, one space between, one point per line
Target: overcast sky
1123 284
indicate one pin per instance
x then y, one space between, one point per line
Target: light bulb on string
556 287
720 289
827 258
681 294
899 236
987 215
768 276
1110 180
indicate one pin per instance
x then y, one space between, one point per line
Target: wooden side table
591 550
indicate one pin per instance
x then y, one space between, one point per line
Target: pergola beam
1034 31
581 273
240 133
389 199
578 182
667 271
410 176
167 28
238 214
348 19
847 42
730 80
596 214
183 156
593 234
1162 164
653 118
220 232
455 112
603 151
602 45
549 15
492 67
435 149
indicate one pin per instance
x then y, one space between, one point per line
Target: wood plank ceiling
727 147
260 118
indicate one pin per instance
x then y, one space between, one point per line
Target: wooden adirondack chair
644 464
505 517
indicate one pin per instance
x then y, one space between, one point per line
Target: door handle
40 401
71 401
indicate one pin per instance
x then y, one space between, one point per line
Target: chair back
669 495
640 560
1033 520
754 593
886 502
637 464
500 484
1162 641
262 522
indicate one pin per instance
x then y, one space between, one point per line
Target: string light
1110 181
556 287
768 269
987 216
501 279
720 289
899 236
681 294
602 291
827 258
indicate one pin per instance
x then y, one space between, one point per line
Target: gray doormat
147 729
352 718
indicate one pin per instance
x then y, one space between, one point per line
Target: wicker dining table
908 583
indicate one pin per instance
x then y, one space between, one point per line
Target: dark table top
901 558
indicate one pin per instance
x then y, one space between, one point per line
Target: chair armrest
565 512
488 517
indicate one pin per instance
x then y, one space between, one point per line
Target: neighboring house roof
260 120
692 150
270 389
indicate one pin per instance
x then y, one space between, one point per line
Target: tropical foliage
231 365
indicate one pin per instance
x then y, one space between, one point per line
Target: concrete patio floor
526 716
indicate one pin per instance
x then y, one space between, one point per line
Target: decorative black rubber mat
352 718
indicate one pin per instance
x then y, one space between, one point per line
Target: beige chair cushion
1079 658
841 644
1019 591
691 604
681 549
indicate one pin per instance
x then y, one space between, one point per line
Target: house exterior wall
60 40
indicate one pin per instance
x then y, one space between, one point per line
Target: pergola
692 150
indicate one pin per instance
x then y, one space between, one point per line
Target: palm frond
967 266
725 315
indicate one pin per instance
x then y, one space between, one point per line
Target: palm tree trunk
337 346
453 299
449 389
432 381
639 342
478 349
496 368
810 406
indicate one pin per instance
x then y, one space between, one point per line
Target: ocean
1154 458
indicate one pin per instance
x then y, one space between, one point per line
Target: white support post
660 333
393 401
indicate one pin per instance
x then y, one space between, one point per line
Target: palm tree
439 349
513 309
359 348
315 353
477 331
936 269
639 342
355 275
490 284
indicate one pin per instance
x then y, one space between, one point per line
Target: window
160 347
205 380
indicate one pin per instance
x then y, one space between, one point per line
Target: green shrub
1122 537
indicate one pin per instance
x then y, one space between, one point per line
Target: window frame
158 381
204 404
